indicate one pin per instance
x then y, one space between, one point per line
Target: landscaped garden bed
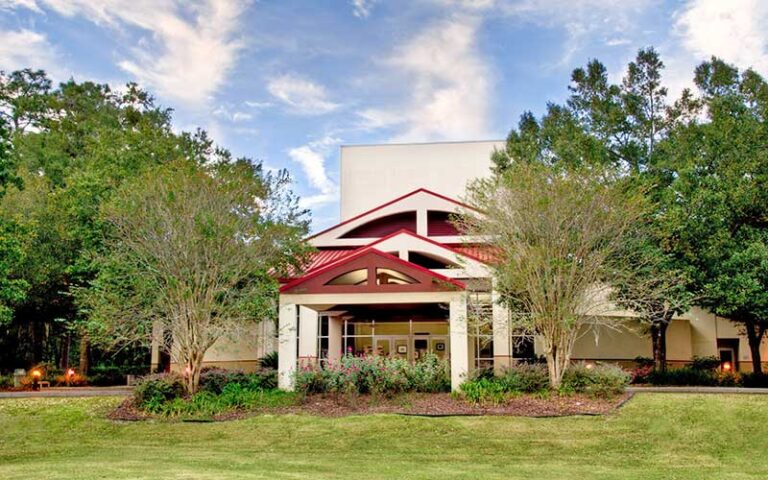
366 385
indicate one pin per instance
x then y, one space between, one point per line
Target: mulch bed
417 404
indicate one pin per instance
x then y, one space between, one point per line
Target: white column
286 339
335 327
307 335
502 357
421 222
459 342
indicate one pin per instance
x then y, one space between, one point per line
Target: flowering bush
374 374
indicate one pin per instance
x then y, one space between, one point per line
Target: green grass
654 436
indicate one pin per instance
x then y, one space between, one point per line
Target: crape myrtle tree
194 250
556 232
717 170
619 126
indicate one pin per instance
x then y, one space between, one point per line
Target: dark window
429 261
383 226
439 224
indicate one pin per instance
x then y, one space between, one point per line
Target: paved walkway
761 391
72 392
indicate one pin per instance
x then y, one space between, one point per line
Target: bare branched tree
556 233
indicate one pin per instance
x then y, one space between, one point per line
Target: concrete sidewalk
759 391
71 392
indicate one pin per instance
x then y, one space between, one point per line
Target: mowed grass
654 436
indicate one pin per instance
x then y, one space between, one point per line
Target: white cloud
190 48
302 96
362 8
312 157
11 4
25 48
255 104
734 30
449 84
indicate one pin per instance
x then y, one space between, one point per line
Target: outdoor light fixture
727 366
70 375
36 374
590 366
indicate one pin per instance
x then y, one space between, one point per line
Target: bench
44 384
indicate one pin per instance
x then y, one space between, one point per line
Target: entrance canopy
371 271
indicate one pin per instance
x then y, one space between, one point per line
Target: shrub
110 374
269 361
429 375
6 381
683 376
526 378
75 380
754 380
215 380
374 374
153 391
484 390
644 361
601 380
705 363
640 374
233 397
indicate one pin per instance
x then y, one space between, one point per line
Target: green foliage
167 229
376 375
601 380
485 391
111 374
221 391
705 363
525 378
153 391
215 380
269 361
234 396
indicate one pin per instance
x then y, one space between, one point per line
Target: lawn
654 436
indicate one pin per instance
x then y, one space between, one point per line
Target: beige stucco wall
375 174
244 351
630 341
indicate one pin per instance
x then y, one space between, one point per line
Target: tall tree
557 232
717 201
618 125
73 145
191 250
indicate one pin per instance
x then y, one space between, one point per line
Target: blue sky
287 82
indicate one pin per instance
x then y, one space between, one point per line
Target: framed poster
440 346
402 349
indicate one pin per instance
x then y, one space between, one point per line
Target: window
521 346
429 261
483 346
323 337
383 226
387 276
355 277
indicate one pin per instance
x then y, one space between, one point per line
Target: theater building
394 277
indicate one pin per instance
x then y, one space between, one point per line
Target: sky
286 82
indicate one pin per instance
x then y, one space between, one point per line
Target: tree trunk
659 342
755 332
64 359
84 350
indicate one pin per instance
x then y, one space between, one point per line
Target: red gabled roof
327 257
367 212
364 251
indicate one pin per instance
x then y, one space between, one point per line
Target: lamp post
36 374
70 376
